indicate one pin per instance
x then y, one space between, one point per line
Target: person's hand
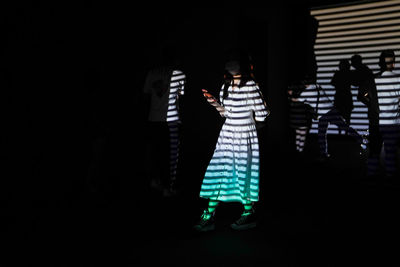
213 102
210 98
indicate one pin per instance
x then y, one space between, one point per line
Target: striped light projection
233 172
364 28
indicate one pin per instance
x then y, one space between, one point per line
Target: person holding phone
234 170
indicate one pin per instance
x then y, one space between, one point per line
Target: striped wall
364 28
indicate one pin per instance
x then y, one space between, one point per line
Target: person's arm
181 90
363 94
213 102
334 79
257 101
182 82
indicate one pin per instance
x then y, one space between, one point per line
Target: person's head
356 61
237 62
295 89
233 67
344 65
387 60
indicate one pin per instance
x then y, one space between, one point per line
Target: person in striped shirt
388 91
165 85
300 116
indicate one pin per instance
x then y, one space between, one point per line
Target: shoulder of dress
251 83
177 72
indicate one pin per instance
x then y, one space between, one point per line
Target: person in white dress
234 170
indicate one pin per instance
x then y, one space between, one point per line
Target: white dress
234 170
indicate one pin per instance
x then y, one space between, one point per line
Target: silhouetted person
388 91
300 115
364 79
164 85
327 114
234 170
343 100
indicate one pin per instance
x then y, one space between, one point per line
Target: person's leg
154 161
375 147
206 222
174 148
301 134
248 218
248 207
347 117
173 128
390 135
212 205
323 123
337 119
297 138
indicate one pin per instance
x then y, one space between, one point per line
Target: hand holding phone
213 102
210 98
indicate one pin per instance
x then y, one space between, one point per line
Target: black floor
311 213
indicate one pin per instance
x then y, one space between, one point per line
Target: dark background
72 104
74 72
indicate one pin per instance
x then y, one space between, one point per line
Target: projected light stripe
354 14
358 28
388 89
233 171
177 86
360 6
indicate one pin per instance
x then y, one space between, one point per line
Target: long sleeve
257 102
221 101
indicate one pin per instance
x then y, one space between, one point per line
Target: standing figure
343 100
165 85
234 170
364 79
300 116
327 114
388 91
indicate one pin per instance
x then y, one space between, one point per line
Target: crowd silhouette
376 91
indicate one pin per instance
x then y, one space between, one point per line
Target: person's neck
236 79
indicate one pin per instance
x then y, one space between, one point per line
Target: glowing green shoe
248 220
206 223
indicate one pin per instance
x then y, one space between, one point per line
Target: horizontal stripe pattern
233 172
177 86
355 28
388 89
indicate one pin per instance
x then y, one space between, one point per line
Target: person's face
234 72
232 67
389 63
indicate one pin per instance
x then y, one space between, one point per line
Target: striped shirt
176 88
242 102
164 86
388 89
